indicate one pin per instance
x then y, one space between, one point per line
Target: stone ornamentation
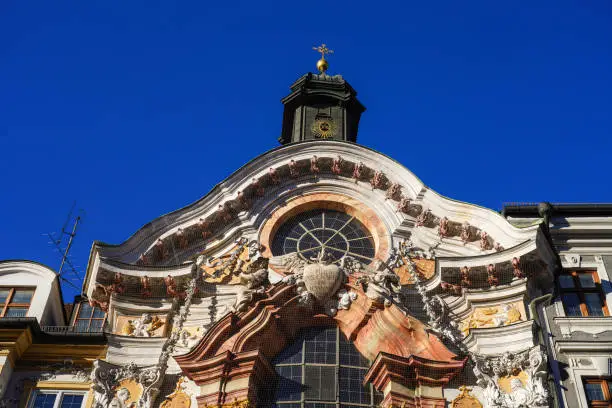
337 165
516 268
253 286
258 188
226 268
319 281
204 227
101 296
172 288
485 244
145 283
274 175
179 397
314 165
465 276
243 200
394 192
443 228
497 316
466 233
118 286
450 288
358 170
525 372
379 180
492 278
404 205
381 285
424 218
293 169
437 312
181 237
106 377
145 326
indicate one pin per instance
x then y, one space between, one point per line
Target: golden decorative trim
179 398
63 385
236 404
465 400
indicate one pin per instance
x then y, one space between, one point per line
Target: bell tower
321 106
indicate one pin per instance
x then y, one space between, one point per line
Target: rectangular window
89 319
57 399
581 294
15 302
598 392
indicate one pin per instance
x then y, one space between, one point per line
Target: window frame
604 382
337 366
580 291
8 302
57 393
89 319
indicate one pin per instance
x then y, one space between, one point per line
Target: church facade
323 274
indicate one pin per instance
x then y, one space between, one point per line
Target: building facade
323 274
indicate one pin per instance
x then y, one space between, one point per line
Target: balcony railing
72 330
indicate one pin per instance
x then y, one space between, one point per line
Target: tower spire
322 64
321 106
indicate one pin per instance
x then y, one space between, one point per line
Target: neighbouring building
323 274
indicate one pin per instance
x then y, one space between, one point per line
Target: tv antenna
63 242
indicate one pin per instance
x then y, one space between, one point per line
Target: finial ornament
322 64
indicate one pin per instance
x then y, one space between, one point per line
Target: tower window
322 369
581 294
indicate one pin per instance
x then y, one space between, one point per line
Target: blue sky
135 109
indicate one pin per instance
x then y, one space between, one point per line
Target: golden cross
323 50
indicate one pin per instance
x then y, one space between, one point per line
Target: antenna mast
66 238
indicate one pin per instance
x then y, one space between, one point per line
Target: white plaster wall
46 304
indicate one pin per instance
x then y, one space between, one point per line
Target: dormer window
15 302
581 294
89 319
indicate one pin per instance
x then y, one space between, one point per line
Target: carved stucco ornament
179 397
107 378
319 281
523 373
496 316
227 267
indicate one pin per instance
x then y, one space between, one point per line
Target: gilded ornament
322 64
496 316
179 398
465 400
324 128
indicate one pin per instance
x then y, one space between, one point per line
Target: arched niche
233 361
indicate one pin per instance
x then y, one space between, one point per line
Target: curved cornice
167 227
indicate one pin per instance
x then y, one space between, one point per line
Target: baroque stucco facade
455 306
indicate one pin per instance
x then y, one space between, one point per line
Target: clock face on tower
324 128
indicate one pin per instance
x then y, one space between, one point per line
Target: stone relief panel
493 316
145 325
